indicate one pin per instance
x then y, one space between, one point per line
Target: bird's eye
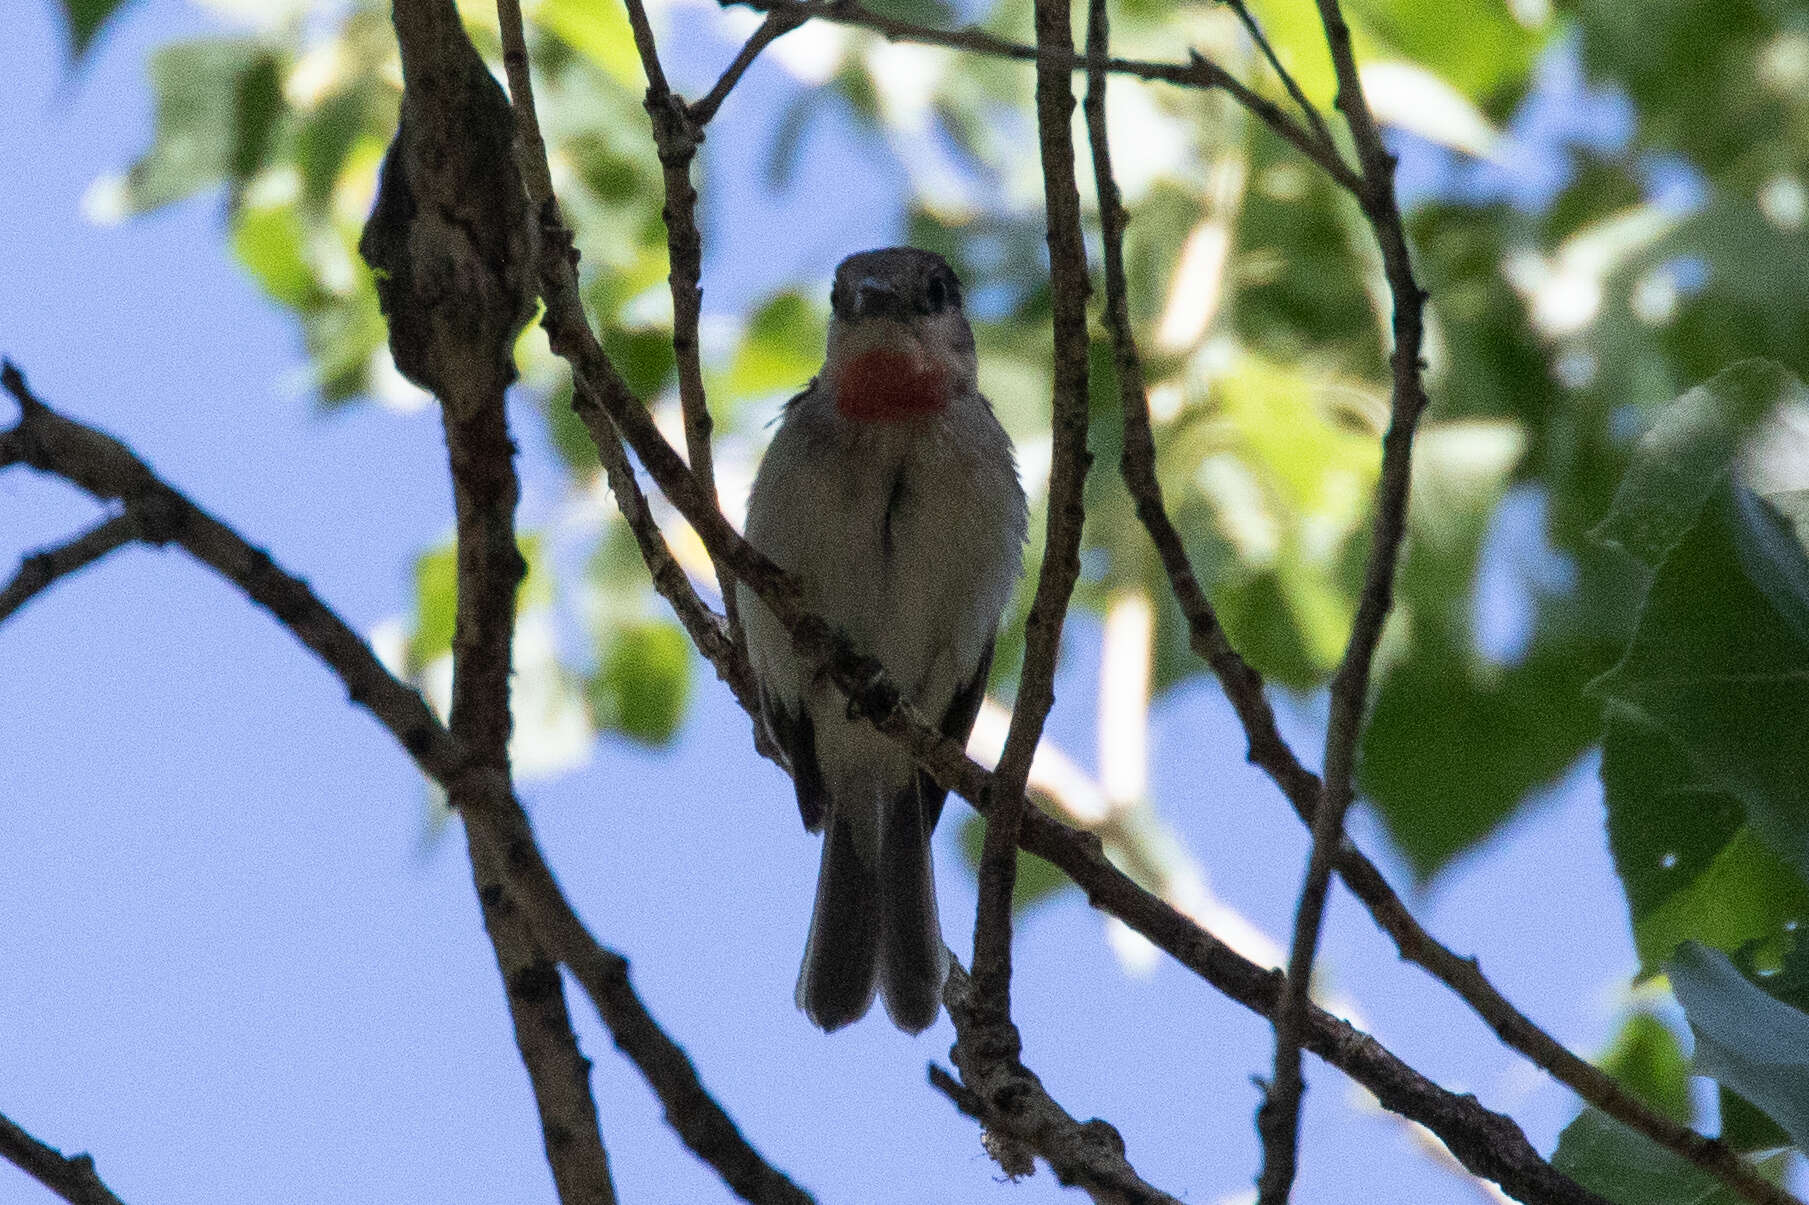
937 295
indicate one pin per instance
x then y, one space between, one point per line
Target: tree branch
776 26
1278 1120
1197 72
109 471
71 1177
677 133
1243 688
40 570
994 1044
453 250
1307 108
715 636
1486 1143
1020 1118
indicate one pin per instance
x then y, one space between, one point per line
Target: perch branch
1488 1144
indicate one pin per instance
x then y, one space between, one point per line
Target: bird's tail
912 958
836 983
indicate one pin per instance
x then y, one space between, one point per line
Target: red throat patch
889 386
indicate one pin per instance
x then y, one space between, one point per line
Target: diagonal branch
40 570
1197 72
109 471
1488 1144
776 26
1307 108
71 1177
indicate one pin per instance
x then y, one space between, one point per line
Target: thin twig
996 1037
1278 1121
71 1177
776 26
677 133
1307 108
1197 72
1487 1143
39 570
1020 1117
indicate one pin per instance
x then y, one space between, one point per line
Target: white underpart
924 598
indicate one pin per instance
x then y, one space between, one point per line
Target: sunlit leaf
596 29
781 348
643 681
1685 455
1691 868
1647 1060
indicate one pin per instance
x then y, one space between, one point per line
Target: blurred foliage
84 20
1582 276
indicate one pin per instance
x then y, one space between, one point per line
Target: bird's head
899 343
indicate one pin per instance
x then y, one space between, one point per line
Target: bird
890 492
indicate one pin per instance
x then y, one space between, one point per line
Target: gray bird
891 493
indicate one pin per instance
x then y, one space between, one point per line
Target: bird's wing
957 725
794 733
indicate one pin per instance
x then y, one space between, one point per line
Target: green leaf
780 349
1682 459
85 19
596 29
1454 745
1036 881
1692 868
214 110
643 357
436 606
1751 1042
1689 70
643 683
258 107
1647 1060
1626 1167
270 240
1720 662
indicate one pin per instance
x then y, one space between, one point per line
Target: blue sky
235 971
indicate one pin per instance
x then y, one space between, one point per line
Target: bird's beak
874 297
